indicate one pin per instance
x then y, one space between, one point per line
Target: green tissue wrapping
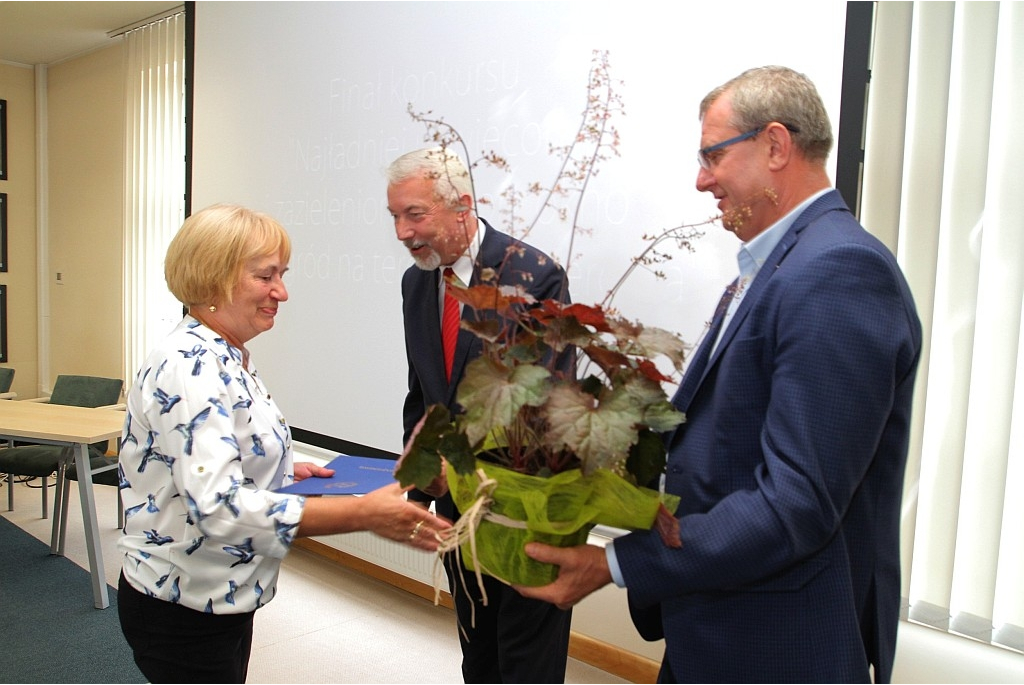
559 510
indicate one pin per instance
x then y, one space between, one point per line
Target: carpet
49 630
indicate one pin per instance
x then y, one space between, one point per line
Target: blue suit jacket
526 266
790 469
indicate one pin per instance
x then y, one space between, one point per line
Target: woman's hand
307 469
385 512
394 517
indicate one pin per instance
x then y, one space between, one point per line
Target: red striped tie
449 323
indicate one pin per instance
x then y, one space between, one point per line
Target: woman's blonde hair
206 257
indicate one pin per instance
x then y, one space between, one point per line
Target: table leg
60 502
92 533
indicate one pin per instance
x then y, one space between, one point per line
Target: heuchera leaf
559 333
455 448
657 341
421 462
649 397
586 315
600 432
492 298
493 394
610 361
647 459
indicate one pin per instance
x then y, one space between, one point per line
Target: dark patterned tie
695 371
449 323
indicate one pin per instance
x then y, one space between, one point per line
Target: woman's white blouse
203 449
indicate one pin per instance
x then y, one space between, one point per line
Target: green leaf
663 416
600 432
493 394
421 461
656 411
647 459
455 448
419 467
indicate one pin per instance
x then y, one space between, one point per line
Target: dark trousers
175 644
511 640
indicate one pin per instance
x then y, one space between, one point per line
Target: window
942 185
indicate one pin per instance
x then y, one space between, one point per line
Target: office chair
42 461
6 380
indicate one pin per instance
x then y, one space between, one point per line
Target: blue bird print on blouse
162 579
235 353
176 590
284 532
277 507
257 446
233 441
228 498
196 352
209 606
166 401
242 404
122 481
151 507
132 511
258 590
195 516
196 544
244 552
230 596
280 441
154 538
149 454
225 377
129 435
160 370
219 405
187 429
245 384
153 455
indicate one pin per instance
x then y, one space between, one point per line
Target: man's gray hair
451 179
772 93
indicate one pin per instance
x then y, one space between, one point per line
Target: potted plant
539 454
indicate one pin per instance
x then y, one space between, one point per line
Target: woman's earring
213 308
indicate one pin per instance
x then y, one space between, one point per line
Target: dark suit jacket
526 266
790 469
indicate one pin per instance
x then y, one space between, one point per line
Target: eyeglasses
703 154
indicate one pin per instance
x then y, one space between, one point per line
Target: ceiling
34 32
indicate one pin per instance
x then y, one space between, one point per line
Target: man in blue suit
511 639
798 403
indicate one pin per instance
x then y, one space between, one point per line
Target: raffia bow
465 532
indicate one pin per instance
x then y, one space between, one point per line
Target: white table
74 428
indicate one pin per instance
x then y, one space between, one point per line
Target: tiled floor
327 624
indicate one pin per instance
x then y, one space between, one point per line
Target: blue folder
352 476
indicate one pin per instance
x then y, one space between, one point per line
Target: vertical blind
944 184
154 182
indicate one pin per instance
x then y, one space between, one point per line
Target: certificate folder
352 476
